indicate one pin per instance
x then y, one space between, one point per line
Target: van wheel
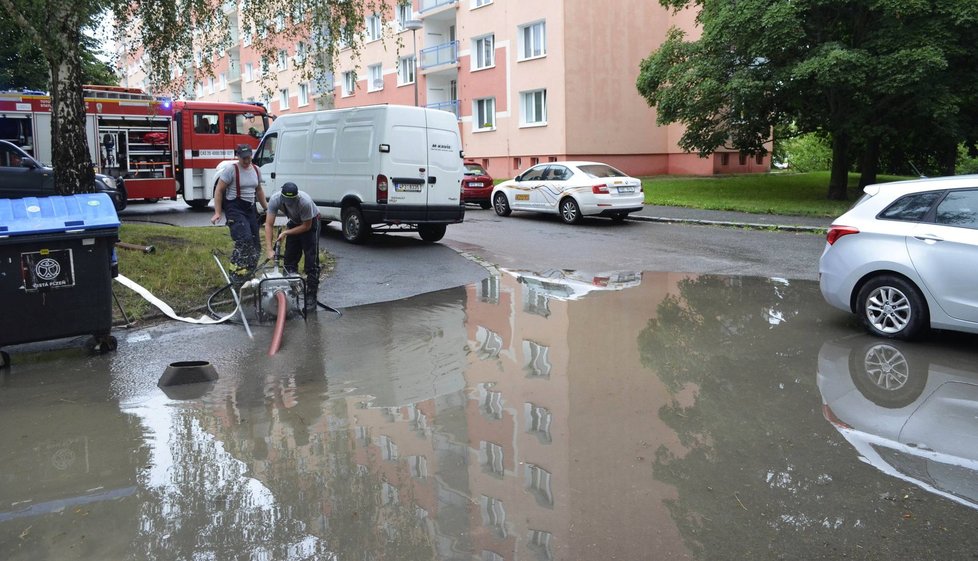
431 233
501 205
354 230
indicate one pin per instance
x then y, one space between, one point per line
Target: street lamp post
414 25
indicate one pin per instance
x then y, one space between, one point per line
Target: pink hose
279 323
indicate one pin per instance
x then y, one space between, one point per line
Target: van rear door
444 152
408 162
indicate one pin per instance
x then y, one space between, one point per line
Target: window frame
283 99
349 86
526 31
525 106
479 52
402 69
303 96
371 80
372 28
477 117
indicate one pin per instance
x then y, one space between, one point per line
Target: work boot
312 294
239 275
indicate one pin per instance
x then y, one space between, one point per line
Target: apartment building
530 82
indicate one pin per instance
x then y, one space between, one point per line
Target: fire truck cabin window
251 124
205 123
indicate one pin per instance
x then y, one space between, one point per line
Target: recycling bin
56 267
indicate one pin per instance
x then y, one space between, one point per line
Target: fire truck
160 148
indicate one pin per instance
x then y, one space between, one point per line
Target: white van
375 168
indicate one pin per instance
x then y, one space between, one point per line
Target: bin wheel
102 344
4 360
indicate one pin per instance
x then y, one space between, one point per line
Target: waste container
56 268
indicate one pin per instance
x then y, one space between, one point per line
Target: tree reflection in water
765 476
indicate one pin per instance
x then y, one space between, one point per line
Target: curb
729 224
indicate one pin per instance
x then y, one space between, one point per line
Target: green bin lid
41 215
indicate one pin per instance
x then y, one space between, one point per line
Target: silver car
905 257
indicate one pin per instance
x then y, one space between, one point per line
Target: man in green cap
301 236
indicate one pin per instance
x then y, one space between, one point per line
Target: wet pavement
547 415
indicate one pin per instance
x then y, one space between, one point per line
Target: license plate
408 187
47 269
522 197
626 189
476 184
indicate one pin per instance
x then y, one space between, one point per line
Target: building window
759 159
349 83
537 481
552 159
249 72
484 113
403 14
535 360
534 161
300 53
492 402
517 163
303 95
491 458
533 40
724 159
389 494
280 22
210 86
480 3
246 37
388 450
419 466
282 62
538 421
488 555
494 515
489 289
405 70
490 343
375 78
743 159
539 542
484 52
373 27
283 98
533 107
223 81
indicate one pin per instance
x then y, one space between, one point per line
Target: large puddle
531 417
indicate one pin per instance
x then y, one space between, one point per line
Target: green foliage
894 80
808 152
967 164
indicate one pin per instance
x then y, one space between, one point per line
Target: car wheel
431 233
501 204
886 375
485 205
892 307
354 230
570 212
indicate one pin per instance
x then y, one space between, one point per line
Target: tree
862 72
184 34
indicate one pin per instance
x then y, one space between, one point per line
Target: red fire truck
161 148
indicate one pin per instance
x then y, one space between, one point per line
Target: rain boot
312 295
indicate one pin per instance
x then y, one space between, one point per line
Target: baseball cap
290 190
243 151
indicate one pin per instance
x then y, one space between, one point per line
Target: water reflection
910 411
674 418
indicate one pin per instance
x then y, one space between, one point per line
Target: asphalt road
395 266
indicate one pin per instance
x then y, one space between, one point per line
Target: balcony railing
432 4
450 106
446 53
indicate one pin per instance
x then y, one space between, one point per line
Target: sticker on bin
47 269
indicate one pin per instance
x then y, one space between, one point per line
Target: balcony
429 5
446 53
450 106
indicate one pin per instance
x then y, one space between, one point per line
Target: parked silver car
905 257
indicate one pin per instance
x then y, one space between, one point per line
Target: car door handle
273 175
929 238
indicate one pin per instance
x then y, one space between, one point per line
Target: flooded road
533 416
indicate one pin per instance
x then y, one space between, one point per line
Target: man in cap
301 236
238 187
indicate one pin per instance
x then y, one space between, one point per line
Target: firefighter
238 187
301 236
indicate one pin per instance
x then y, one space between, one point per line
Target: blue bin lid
39 215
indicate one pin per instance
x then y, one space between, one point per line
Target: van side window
266 151
205 123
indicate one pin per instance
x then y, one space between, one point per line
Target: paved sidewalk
682 215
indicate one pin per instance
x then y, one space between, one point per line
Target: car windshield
600 170
474 169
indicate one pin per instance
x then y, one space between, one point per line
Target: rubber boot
312 295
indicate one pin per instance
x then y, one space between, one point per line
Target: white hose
165 308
